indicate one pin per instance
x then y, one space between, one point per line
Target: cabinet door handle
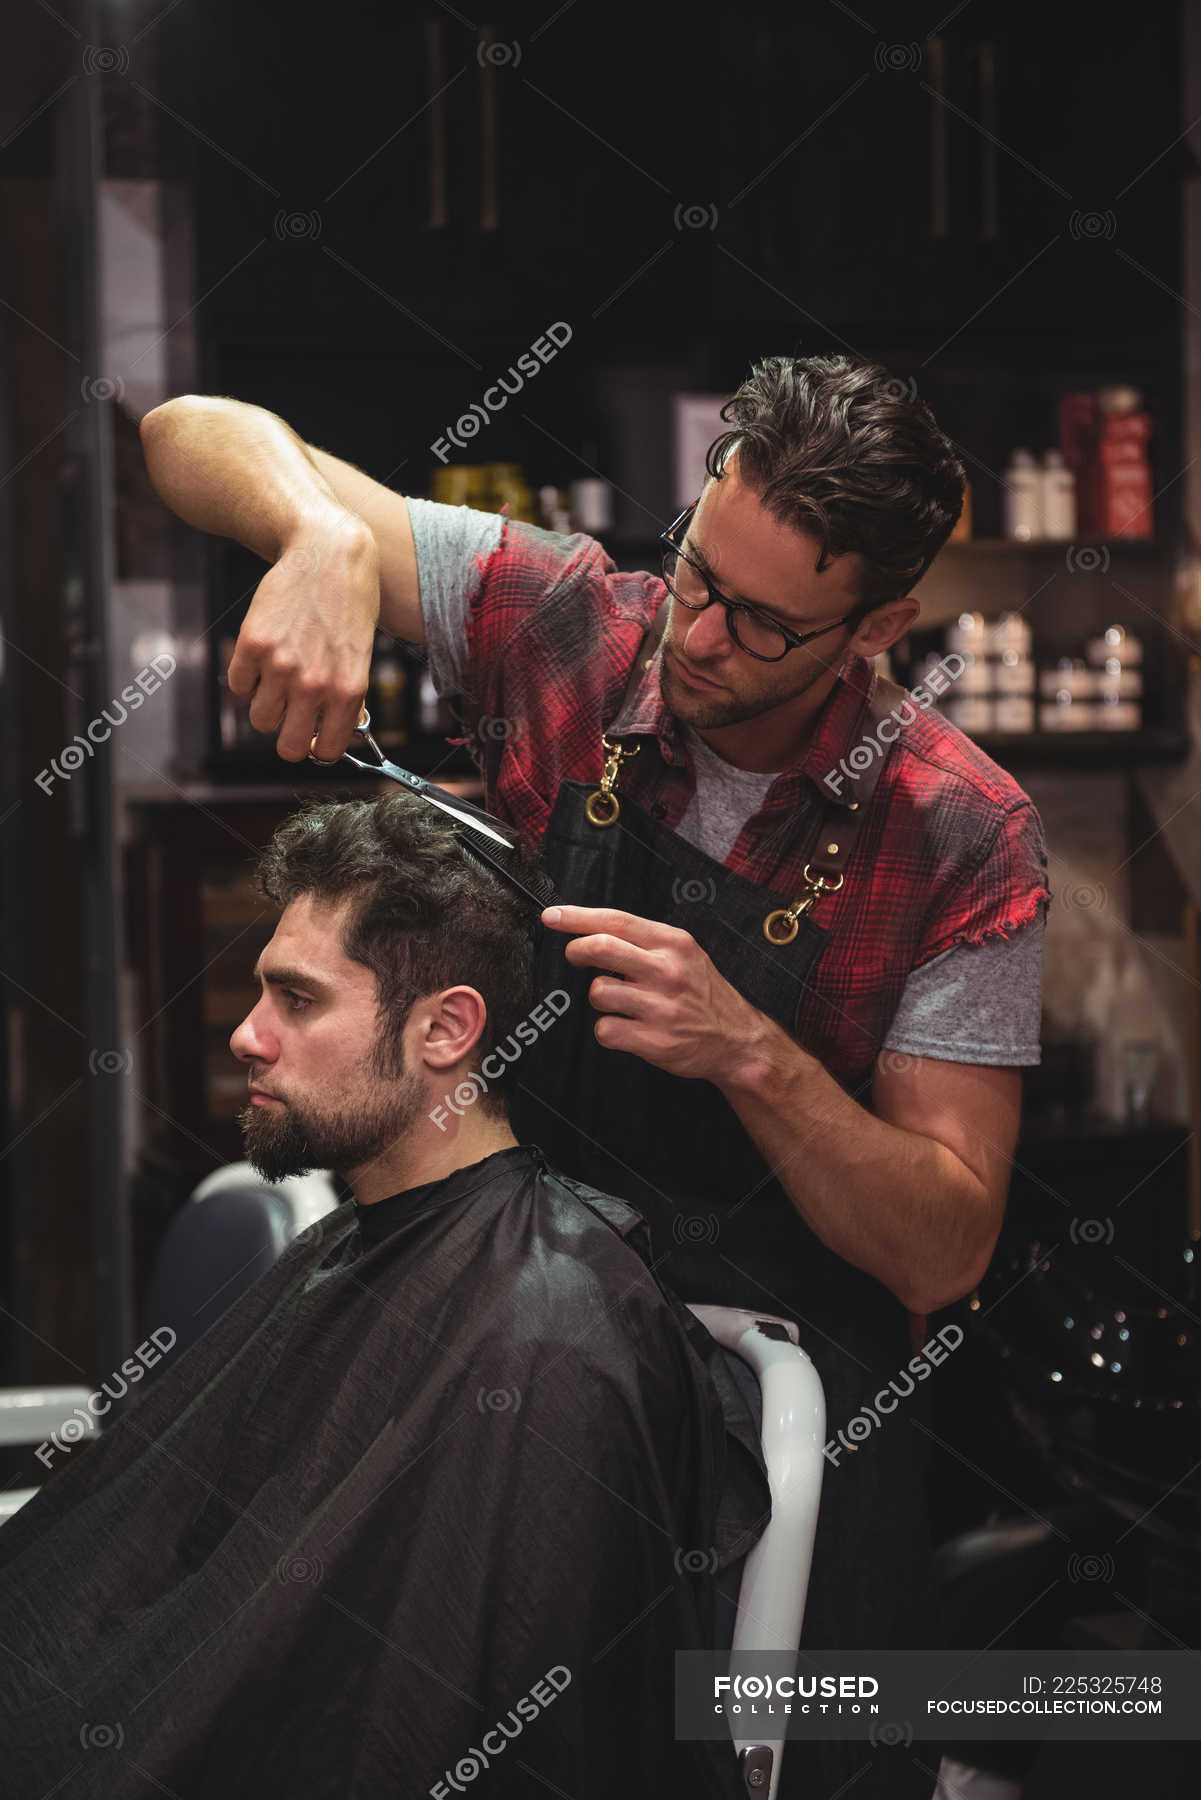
435 81
990 194
940 198
489 198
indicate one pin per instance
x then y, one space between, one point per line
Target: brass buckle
780 927
603 807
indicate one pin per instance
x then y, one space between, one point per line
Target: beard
291 1139
708 711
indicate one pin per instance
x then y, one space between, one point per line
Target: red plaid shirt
951 850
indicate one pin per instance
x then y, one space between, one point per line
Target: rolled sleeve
1004 889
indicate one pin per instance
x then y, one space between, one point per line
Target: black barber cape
429 1510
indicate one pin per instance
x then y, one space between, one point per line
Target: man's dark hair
425 914
845 451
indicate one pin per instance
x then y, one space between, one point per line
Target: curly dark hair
426 915
844 450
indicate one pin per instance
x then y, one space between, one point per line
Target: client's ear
449 1023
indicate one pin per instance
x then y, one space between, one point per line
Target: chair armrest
775 1576
28 1415
775 1579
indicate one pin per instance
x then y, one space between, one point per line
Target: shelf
1076 1137
253 780
273 793
423 756
1094 749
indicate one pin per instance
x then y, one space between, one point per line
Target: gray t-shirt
976 1003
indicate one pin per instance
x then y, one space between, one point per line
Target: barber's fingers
612 953
299 707
612 994
631 928
335 727
283 703
304 651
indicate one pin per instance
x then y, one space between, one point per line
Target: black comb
541 889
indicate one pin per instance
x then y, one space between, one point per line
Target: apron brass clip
603 807
780 927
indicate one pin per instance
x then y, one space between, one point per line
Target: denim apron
724 1231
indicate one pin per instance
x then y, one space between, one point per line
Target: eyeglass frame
793 640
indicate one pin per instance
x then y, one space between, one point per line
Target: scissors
479 832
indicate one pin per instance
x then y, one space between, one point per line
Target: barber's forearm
238 471
900 1206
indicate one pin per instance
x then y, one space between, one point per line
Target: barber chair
33 1416
230 1231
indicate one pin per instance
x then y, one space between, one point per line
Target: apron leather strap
842 820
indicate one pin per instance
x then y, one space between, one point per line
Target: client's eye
296 1002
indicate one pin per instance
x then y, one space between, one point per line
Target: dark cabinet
330 174
814 219
1013 173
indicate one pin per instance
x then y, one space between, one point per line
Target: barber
802 915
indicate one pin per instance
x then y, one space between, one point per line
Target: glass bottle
387 700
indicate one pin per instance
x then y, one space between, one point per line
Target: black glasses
752 630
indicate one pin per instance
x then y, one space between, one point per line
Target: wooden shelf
1084 749
274 791
431 757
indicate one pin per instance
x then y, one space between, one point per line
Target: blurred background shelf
1084 749
247 766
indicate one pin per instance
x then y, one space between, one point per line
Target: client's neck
435 1147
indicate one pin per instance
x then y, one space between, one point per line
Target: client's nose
248 1042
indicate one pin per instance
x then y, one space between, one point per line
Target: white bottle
1008 632
1133 1019
592 504
555 510
427 704
1059 498
1023 508
968 635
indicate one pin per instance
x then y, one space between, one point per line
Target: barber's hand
305 645
671 1008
